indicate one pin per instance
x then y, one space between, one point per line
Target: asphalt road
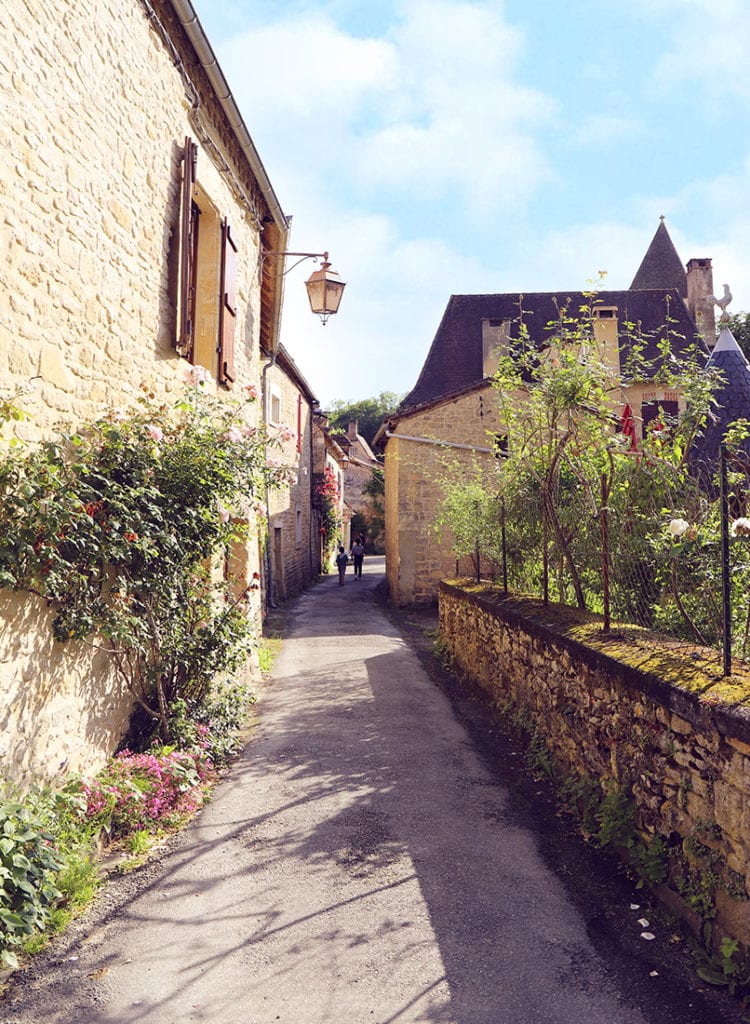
361 864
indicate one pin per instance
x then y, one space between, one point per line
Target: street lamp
324 286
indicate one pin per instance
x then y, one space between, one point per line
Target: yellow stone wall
681 752
418 557
94 118
294 550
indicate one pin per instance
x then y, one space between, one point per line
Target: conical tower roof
661 266
731 401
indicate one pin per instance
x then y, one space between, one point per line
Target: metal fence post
545 552
605 551
505 547
725 590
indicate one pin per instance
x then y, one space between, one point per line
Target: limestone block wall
60 708
95 114
681 751
293 542
418 557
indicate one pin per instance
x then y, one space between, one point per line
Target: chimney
353 430
495 343
700 298
606 333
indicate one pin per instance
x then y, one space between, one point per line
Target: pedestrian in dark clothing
341 559
358 554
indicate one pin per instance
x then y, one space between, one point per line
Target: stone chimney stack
700 298
353 430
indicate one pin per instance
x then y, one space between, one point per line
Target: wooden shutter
188 241
228 312
299 423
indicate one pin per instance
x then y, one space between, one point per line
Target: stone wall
661 727
293 541
418 557
95 113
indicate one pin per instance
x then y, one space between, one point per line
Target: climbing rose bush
330 499
121 525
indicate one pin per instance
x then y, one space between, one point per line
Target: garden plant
126 527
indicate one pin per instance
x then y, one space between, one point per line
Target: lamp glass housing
324 290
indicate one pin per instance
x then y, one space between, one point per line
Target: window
207 305
659 415
298 528
275 410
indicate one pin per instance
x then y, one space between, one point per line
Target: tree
374 519
369 413
578 502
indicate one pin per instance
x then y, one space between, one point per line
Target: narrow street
360 864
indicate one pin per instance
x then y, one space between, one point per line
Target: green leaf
9 959
712 977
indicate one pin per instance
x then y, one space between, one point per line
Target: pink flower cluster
136 789
286 433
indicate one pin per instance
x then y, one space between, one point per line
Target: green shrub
214 725
118 525
29 865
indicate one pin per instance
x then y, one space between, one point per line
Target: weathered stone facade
426 447
681 748
293 544
95 117
329 456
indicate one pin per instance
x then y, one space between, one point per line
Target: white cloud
707 41
430 107
601 129
457 118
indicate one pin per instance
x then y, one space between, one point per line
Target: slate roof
731 399
454 362
661 266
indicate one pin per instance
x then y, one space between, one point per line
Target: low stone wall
626 714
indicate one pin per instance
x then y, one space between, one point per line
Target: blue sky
436 147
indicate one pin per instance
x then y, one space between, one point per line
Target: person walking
341 559
358 554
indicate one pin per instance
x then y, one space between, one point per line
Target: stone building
360 465
292 559
135 215
448 423
329 464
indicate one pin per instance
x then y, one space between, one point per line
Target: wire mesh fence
679 572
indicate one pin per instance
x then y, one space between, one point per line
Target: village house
448 423
329 491
292 559
361 464
137 219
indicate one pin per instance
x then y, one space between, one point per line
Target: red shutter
228 314
188 241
